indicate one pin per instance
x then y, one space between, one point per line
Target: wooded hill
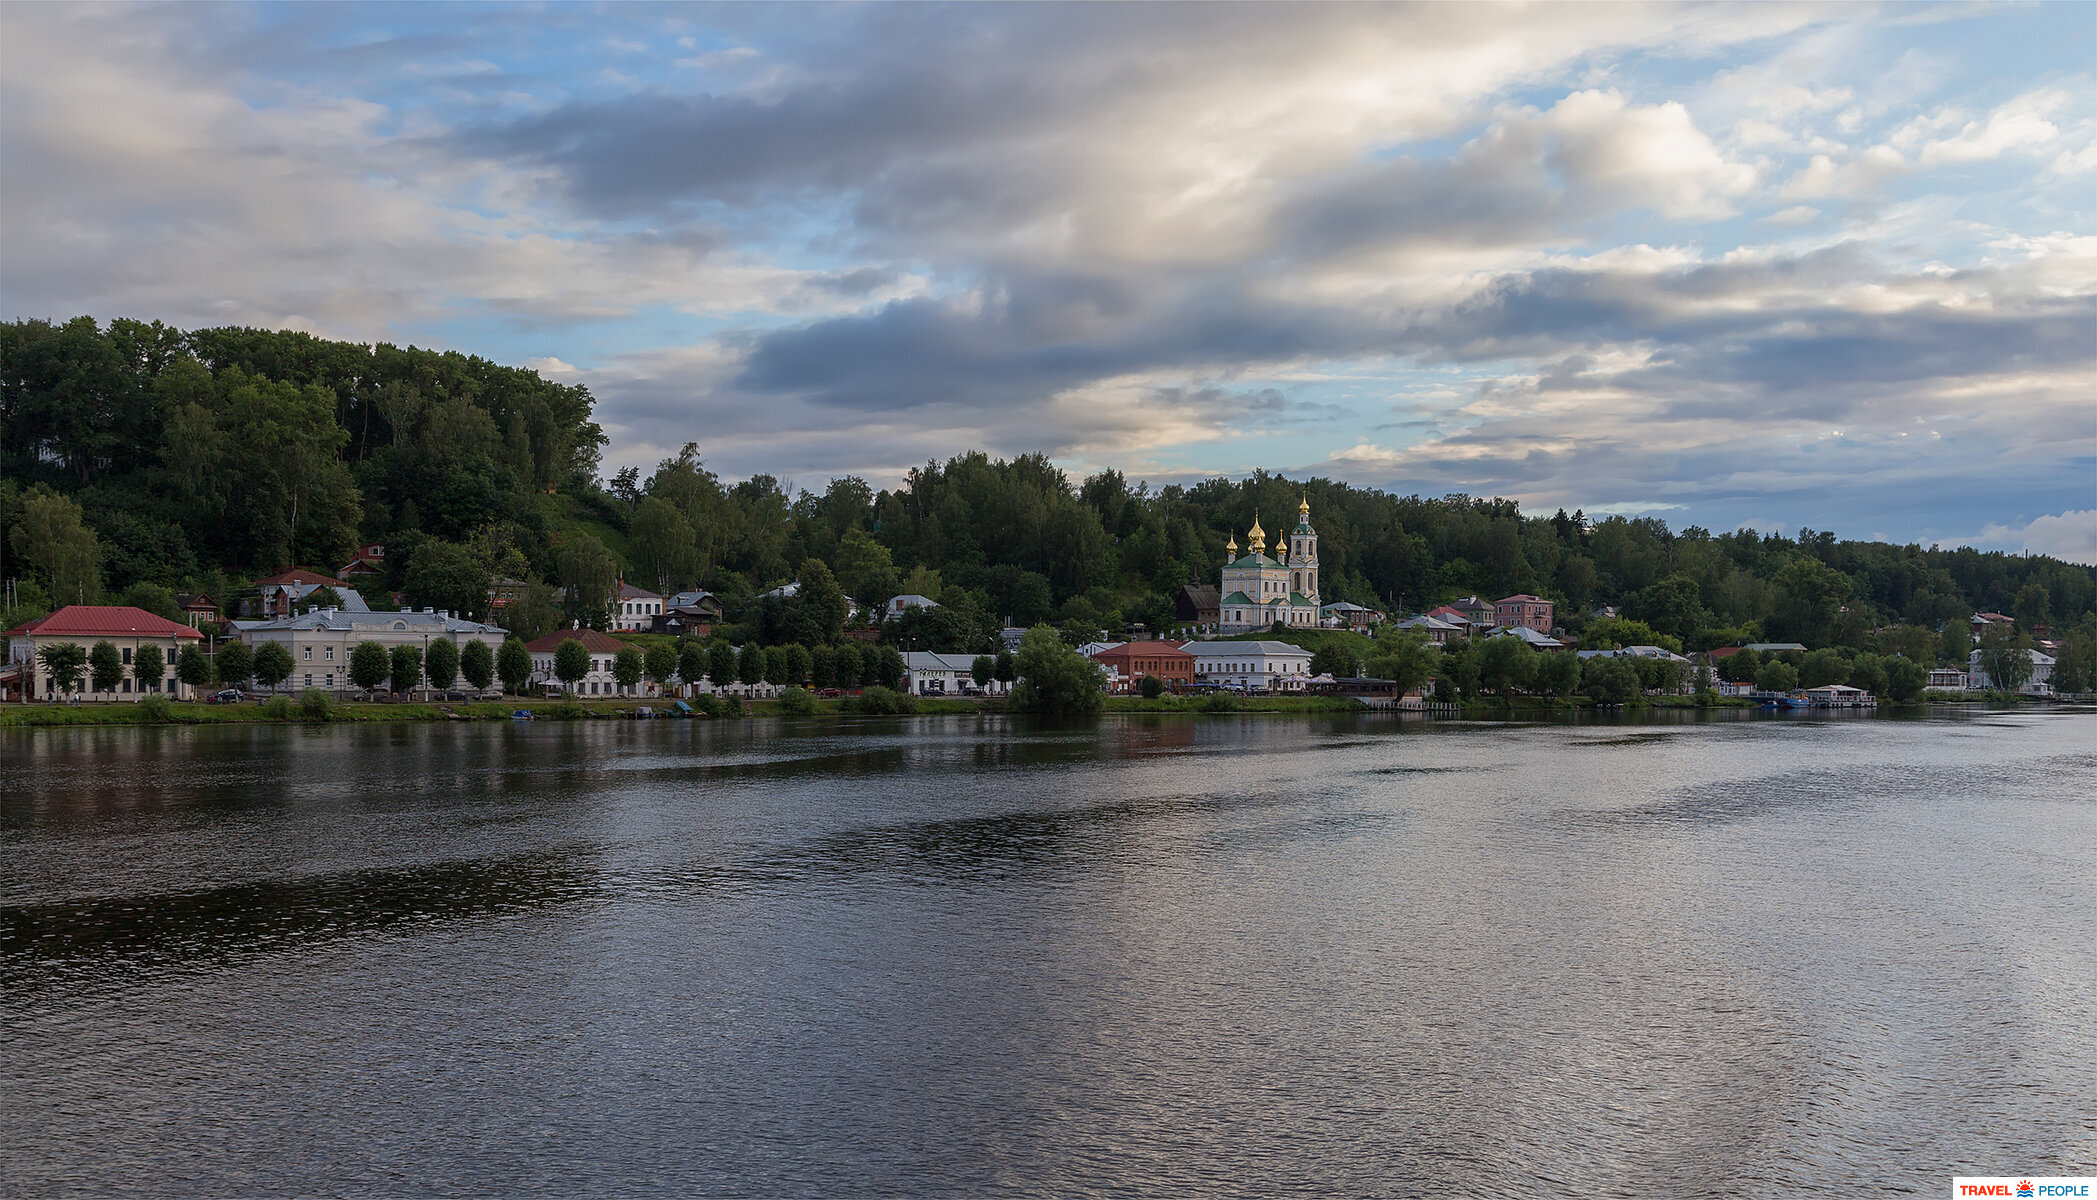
137 454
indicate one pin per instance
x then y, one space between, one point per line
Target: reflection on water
959 956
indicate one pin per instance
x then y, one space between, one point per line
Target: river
971 956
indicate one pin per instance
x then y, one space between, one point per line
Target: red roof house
102 621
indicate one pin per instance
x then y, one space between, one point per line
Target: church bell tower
1303 554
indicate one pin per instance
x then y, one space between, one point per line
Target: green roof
1236 598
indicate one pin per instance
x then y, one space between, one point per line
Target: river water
970 956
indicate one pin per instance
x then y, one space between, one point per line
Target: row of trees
135 453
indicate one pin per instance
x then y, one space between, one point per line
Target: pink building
1524 611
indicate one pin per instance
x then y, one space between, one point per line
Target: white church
1258 590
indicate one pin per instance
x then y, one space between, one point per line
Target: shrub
706 704
566 710
1152 687
157 708
1220 702
878 701
316 706
797 702
279 708
732 706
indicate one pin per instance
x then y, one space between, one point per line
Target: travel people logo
2025 1187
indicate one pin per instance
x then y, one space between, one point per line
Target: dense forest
137 459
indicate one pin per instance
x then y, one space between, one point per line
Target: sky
1826 266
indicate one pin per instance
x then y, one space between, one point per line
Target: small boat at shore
522 714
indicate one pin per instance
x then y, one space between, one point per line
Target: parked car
227 696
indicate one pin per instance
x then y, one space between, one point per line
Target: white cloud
2070 536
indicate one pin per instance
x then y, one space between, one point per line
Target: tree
1055 680
2032 607
1151 687
800 664
661 661
440 663
822 666
404 667
449 577
1776 675
664 545
149 667
1609 680
272 664
778 663
1820 668
1505 665
750 665
985 669
105 667
1905 679
588 572
627 667
821 603
1557 673
63 664
1674 606
1741 667
850 668
1614 633
1334 661
720 663
888 669
691 663
1957 647
368 665
1405 660
477 664
2005 655
193 666
571 661
59 550
535 613
2075 667
1868 672
514 664
1006 669
234 664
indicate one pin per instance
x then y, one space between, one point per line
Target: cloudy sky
1820 265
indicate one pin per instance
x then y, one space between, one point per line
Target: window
309 679
331 681
331 657
309 658
171 656
127 656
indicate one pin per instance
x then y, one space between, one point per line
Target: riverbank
291 710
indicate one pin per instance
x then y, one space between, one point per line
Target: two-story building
1251 666
603 648
1524 611
133 631
634 608
322 641
1127 663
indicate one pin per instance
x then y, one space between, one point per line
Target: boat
522 714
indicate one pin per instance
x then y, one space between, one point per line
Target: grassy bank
1222 703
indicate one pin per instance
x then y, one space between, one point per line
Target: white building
929 674
1274 666
1259 591
603 648
133 631
635 608
322 641
2040 683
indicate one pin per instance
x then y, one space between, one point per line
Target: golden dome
1256 537
1305 507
